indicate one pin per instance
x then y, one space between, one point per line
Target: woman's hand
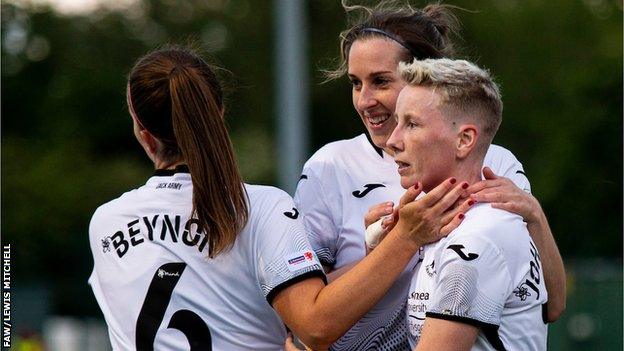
389 215
379 220
289 344
378 211
502 193
433 216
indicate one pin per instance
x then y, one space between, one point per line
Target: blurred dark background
67 145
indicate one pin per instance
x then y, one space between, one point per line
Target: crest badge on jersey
522 292
300 260
106 244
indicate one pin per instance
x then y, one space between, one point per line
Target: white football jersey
486 273
338 185
158 289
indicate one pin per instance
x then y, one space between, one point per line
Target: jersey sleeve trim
489 330
545 312
311 274
325 256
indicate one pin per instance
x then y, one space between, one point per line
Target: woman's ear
466 140
147 140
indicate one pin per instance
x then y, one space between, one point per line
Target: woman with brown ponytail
197 258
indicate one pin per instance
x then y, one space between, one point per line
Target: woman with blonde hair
346 178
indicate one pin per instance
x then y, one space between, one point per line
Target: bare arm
337 273
445 335
554 271
320 314
504 194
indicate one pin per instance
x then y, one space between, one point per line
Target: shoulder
500 152
332 152
489 228
115 208
272 214
504 163
265 193
264 199
113 216
484 220
501 160
500 157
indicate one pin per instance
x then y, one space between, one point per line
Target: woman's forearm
552 263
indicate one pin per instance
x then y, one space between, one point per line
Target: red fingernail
471 202
453 180
461 216
465 186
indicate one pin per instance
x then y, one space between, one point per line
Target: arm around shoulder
319 314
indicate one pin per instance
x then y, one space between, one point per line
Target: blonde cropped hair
467 91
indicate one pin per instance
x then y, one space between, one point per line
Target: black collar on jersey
170 172
377 149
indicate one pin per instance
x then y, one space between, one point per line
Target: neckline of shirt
379 152
169 172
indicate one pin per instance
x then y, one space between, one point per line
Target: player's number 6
153 311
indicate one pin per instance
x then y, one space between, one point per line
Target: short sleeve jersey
158 289
338 185
486 273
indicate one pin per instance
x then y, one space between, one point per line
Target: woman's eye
381 81
412 124
355 83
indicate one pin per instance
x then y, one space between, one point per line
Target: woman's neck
159 164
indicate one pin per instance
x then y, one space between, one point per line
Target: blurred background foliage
67 144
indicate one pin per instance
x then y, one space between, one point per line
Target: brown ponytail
177 91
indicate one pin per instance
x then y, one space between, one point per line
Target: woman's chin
379 140
407 182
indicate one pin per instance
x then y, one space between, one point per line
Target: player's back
159 290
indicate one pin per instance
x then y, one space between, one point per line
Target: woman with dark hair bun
197 258
346 178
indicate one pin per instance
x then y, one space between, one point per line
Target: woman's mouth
377 121
403 167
